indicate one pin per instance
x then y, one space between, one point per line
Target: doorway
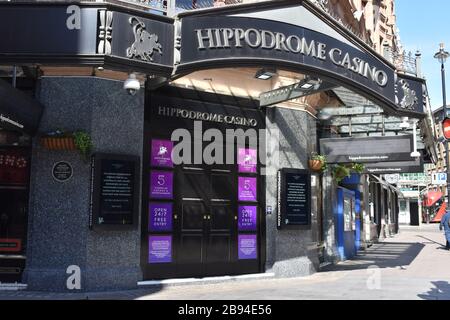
414 212
203 218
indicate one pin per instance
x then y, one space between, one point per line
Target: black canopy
18 111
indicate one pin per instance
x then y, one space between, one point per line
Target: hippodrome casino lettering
206 116
222 38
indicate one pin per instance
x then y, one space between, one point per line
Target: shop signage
247 247
92 35
159 249
10 245
161 153
247 189
294 198
439 179
14 166
414 166
206 116
115 191
145 40
62 171
247 218
253 37
160 217
259 38
161 185
368 150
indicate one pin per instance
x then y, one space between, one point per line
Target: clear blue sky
423 25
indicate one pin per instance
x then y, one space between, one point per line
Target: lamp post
442 57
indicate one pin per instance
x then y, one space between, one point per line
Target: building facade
194 135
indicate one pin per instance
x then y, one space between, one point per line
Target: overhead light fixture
310 84
265 74
324 115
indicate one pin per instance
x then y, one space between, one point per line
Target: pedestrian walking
445 224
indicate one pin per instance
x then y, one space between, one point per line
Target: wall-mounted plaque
161 153
247 217
247 160
247 246
160 216
247 189
294 198
161 185
62 171
159 249
115 191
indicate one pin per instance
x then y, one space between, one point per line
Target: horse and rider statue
145 44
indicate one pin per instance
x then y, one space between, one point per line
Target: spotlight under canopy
265 74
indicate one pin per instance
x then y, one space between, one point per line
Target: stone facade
290 252
59 234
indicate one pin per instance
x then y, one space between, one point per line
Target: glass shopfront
202 210
14 190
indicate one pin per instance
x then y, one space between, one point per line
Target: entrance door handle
235 217
175 217
205 217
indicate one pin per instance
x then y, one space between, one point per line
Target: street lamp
442 57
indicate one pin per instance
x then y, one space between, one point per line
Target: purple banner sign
161 185
159 249
247 218
247 189
160 217
247 160
247 247
161 155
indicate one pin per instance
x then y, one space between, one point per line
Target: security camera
132 84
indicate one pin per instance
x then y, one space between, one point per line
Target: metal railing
403 61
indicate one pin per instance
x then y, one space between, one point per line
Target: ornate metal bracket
105 32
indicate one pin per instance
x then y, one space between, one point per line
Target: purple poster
247 247
160 217
247 218
247 189
161 155
247 160
159 249
161 185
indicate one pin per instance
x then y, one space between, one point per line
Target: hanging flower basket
318 163
315 165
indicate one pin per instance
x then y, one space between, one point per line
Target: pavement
413 265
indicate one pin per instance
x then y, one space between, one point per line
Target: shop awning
388 185
432 197
18 111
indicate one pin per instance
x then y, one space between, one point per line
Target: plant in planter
358 168
340 172
318 163
68 141
83 142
